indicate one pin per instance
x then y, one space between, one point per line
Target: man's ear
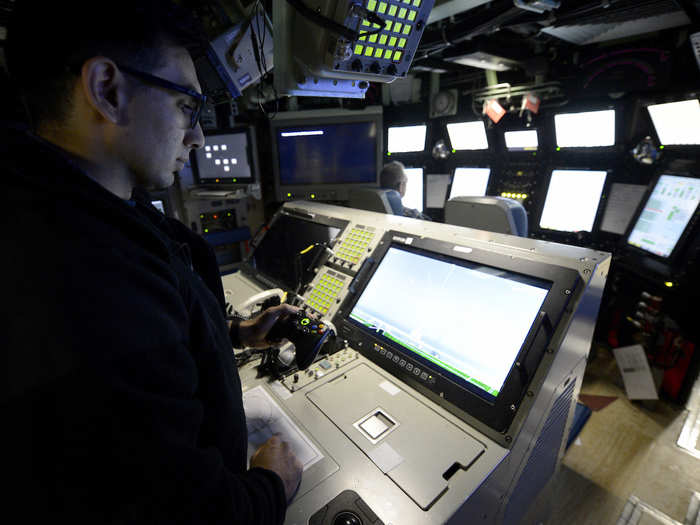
105 88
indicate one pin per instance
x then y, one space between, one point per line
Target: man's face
402 186
158 137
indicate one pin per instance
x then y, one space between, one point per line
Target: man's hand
275 455
252 333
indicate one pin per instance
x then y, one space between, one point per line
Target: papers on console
264 418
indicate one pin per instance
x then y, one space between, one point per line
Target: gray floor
627 448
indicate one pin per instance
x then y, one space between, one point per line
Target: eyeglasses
199 98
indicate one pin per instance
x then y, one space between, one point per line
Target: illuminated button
392 41
368 51
412 15
402 362
378 52
397 27
416 371
387 25
387 54
402 12
416 3
397 56
371 4
373 38
409 367
392 10
402 43
305 321
382 8
382 39
359 49
407 29
365 23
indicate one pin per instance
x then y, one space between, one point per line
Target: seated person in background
393 178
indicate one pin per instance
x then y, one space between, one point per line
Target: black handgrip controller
307 334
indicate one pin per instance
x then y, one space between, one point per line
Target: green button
392 10
371 4
382 39
402 12
392 41
402 43
407 29
305 321
397 27
382 8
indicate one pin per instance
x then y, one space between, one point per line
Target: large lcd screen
572 200
278 256
677 123
465 320
666 214
585 130
470 182
525 140
403 139
468 135
328 153
414 189
225 159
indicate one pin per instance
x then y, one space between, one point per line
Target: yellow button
382 8
368 51
382 39
365 23
378 52
392 41
402 12
416 3
371 4
387 54
411 15
402 43
358 49
397 56
407 29
373 38
392 10
397 27
387 25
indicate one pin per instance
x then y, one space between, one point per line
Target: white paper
264 418
636 374
436 190
622 203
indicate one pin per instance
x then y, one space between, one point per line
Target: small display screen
470 182
406 138
572 200
677 123
328 154
666 214
468 135
224 158
278 256
414 189
525 140
585 130
461 319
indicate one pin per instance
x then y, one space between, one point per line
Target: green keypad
324 293
355 245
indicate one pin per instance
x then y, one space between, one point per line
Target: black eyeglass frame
167 84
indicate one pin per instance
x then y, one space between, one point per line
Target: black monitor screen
328 153
225 159
462 319
278 256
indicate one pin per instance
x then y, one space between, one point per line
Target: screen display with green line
463 320
666 214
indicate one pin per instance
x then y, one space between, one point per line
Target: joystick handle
307 333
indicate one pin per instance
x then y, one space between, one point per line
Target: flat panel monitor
572 200
278 256
227 158
468 135
404 139
414 189
677 123
323 154
589 129
666 214
453 322
471 297
525 140
470 182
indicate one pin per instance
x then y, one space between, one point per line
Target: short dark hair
392 175
48 42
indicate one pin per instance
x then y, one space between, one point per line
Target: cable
335 27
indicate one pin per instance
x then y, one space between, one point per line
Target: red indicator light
216 216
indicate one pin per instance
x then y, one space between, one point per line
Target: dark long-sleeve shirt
122 402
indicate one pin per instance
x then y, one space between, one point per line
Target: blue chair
494 214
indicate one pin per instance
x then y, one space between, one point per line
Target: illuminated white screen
677 122
666 214
470 182
521 140
484 316
406 138
468 135
572 200
414 189
585 130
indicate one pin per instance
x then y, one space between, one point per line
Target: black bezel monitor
585 130
276 259
228 158
319 172
439 318
676 124
665 244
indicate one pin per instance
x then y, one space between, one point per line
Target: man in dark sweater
122 402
